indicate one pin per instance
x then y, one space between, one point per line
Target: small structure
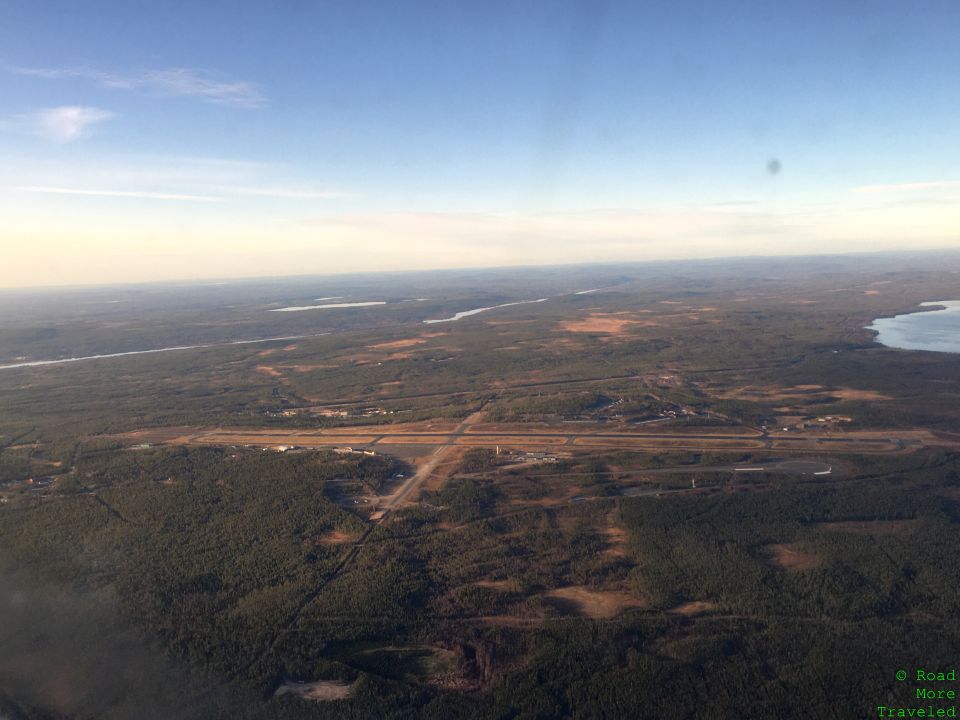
538 457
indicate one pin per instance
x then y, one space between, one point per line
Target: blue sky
167 140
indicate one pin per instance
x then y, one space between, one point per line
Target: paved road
426 469
787 467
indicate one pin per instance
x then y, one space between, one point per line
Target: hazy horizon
211 281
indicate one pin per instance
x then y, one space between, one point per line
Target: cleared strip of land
518 436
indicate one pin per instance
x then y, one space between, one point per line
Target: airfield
434 449
538 438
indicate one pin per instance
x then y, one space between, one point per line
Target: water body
936 330
61 361
300 308
477 311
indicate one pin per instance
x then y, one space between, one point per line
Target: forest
159 578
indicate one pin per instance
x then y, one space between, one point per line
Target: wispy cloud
284 193
62 124
730 204
180 82
224 193
136 194
909 187
179 178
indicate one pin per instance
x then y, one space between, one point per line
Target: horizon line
227 280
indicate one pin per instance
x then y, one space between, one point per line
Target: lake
936 330
328 306
476 311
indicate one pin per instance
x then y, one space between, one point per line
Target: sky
144 141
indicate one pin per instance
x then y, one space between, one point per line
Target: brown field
796 392
320 691
334 537
267 370
504 585
616 539
788 557
609 323
851 394
397 344
694 607
596 603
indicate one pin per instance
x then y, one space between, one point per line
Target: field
701 491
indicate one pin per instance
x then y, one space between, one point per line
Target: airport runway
382 438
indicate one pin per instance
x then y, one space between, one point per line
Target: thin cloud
284 193
730 204
178 82
136 194
223 193
201 179
908 187
190 83
61 124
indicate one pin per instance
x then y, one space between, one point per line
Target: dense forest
218 561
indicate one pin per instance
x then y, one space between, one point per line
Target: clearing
694 607
598 604
320 691
604 323
789 557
